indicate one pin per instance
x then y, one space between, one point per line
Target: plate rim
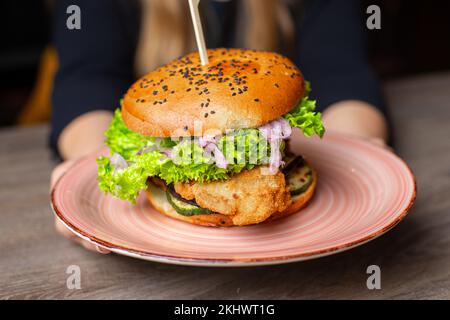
230 262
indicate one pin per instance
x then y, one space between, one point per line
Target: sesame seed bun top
237 89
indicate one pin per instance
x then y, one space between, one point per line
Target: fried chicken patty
249 197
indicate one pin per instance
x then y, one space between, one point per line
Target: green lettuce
122 140
304 117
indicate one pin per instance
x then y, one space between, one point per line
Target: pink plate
363 191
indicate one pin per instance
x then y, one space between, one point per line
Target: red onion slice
168 153
217 155
219 158
206 139
274 132
118 162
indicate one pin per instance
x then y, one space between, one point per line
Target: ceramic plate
363 191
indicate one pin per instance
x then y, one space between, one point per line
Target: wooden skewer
193 5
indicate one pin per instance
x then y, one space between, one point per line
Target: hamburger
209 145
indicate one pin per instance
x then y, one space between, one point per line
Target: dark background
414 39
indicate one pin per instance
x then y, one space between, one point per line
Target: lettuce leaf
304 117
126 183
122 140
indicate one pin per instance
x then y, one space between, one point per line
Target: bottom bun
158 199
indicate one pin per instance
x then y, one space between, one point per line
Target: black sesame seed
155 92
256 100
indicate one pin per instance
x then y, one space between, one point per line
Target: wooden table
414 257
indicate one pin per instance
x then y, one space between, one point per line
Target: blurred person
121 40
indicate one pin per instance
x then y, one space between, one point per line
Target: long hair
166 29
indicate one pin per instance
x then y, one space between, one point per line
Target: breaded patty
249 197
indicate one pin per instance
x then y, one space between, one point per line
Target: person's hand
358 119
82 136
